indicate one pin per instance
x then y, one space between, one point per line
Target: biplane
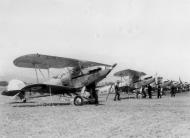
183 86
186 86
132 81
180 86
3 83
78 77
165 84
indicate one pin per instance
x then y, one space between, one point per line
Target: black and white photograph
94 68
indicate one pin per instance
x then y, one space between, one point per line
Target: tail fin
15 85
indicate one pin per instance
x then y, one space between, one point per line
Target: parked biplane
79 77
133 81
180 86
163 84
3 83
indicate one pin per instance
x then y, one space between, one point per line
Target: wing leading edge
49 89
46 62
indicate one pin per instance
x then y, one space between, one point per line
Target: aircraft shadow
19 102
87 104
51 104
42 104
128 98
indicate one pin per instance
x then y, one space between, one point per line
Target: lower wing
47 90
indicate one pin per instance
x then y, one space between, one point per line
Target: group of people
149 91
144 91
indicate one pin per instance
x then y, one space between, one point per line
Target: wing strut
50 95
37 77
48 73
36 74
42 74
80 66
109 91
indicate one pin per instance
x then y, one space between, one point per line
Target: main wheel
78 101
24 100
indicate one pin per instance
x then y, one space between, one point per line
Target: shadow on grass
51 104
122 98
20 102
41 104
100 104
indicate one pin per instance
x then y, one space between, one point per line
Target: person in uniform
143 92
117 94
159 92
150 91
173 91
93 93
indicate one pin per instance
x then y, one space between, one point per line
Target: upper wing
134 76
129 72
46 62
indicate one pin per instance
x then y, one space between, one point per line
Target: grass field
131 118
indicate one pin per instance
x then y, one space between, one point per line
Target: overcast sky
146 35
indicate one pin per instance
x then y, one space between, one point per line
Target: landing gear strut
24 100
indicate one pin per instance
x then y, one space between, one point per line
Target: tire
24 100
78 101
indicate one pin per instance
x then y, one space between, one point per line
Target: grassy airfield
131 118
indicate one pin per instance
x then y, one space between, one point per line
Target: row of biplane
78 78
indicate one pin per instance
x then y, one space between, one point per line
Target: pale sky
152 36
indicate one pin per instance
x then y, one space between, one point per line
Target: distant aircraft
186 86
135 81
166 84
3 83
80 77
163 84
181 86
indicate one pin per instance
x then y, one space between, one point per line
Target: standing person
143 92
137 93
117 94
163 91
175 91
150 91
93 93
159 92
172 91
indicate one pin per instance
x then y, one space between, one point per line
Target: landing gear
78 101
24 100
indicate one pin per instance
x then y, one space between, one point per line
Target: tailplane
15 85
